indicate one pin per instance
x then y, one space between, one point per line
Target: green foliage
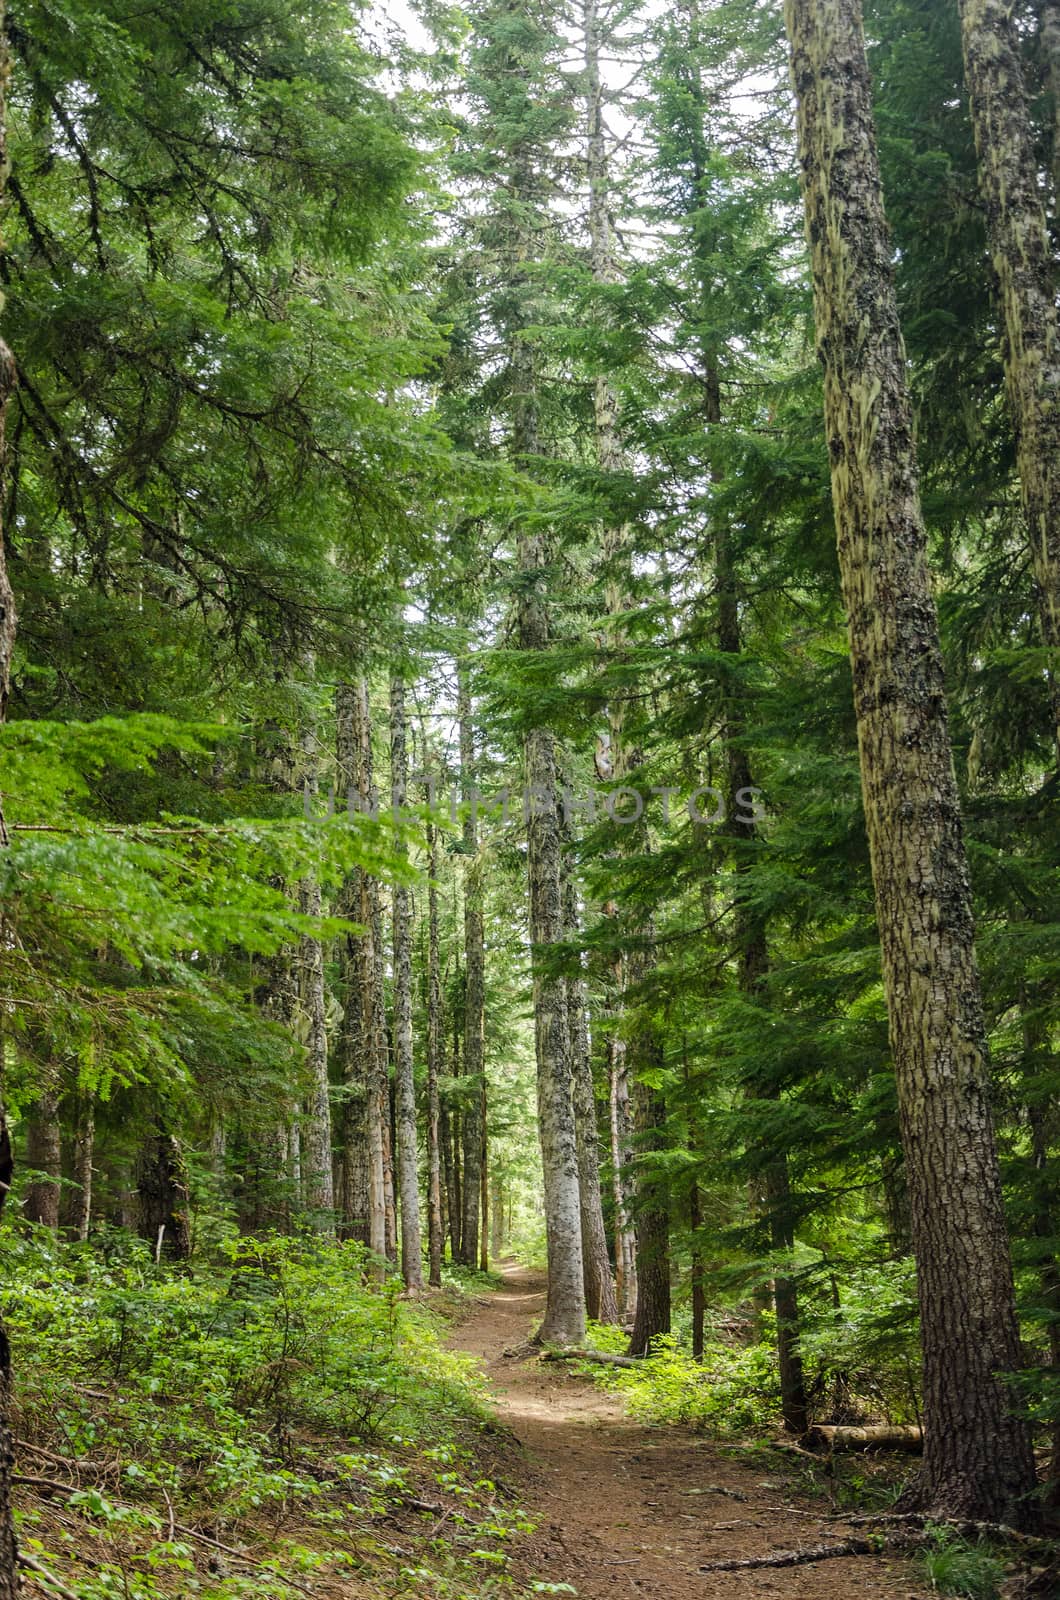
730 1393
276 1334
953 1566
272 1388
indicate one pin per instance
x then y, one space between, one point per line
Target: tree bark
978 1461
317 1179
564 1319
1026 274
164 1200
76 1207
497 1239
435 1068
474 984
1042 1119
408 1153
268 1193
386 1091
621 1125
600 1302
10 1578
1049 39
609 457
356 1036
699 1299
652 1316
484 1189
44 1156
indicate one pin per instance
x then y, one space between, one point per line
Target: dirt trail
624 1509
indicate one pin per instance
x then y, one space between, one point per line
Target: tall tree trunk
368 979
1026 273
484 1188
652 1316
269 1191
1045 1217
609 457
977 1453
699 1299
564 1320
164 1199
44 1157
317 1179
600 1302
405 1082
356 1036
386 1090
435 1068
451 1172
497 1232
10 1578
753 956
621 1124
76 1209
456 1209
474 983
1049 41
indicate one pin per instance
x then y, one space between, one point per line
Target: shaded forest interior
529 729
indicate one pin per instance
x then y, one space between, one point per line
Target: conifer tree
912 811
1025 265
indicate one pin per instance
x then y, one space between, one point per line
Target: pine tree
1026 274
912 813
407 1152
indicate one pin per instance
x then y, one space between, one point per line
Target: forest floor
626 1509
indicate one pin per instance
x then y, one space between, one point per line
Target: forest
529 830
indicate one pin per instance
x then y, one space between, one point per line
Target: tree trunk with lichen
317 1181
407 1146
76 1207
474 986
978 1461
600 1301
435 1068
1025 265
616 555
364 1024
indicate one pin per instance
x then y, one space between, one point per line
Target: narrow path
624 1509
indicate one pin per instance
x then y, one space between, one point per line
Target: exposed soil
624 1508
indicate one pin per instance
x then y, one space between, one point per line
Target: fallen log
798 1558
823 1438
600 1356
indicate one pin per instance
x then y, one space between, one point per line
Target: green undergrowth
859 1358
268 1422
729 1394
955 1566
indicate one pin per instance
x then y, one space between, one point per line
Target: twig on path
798 1558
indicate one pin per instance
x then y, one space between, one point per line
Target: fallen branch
601 1357
822 1437
797 1450
965 1525
31 1564
798 1558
